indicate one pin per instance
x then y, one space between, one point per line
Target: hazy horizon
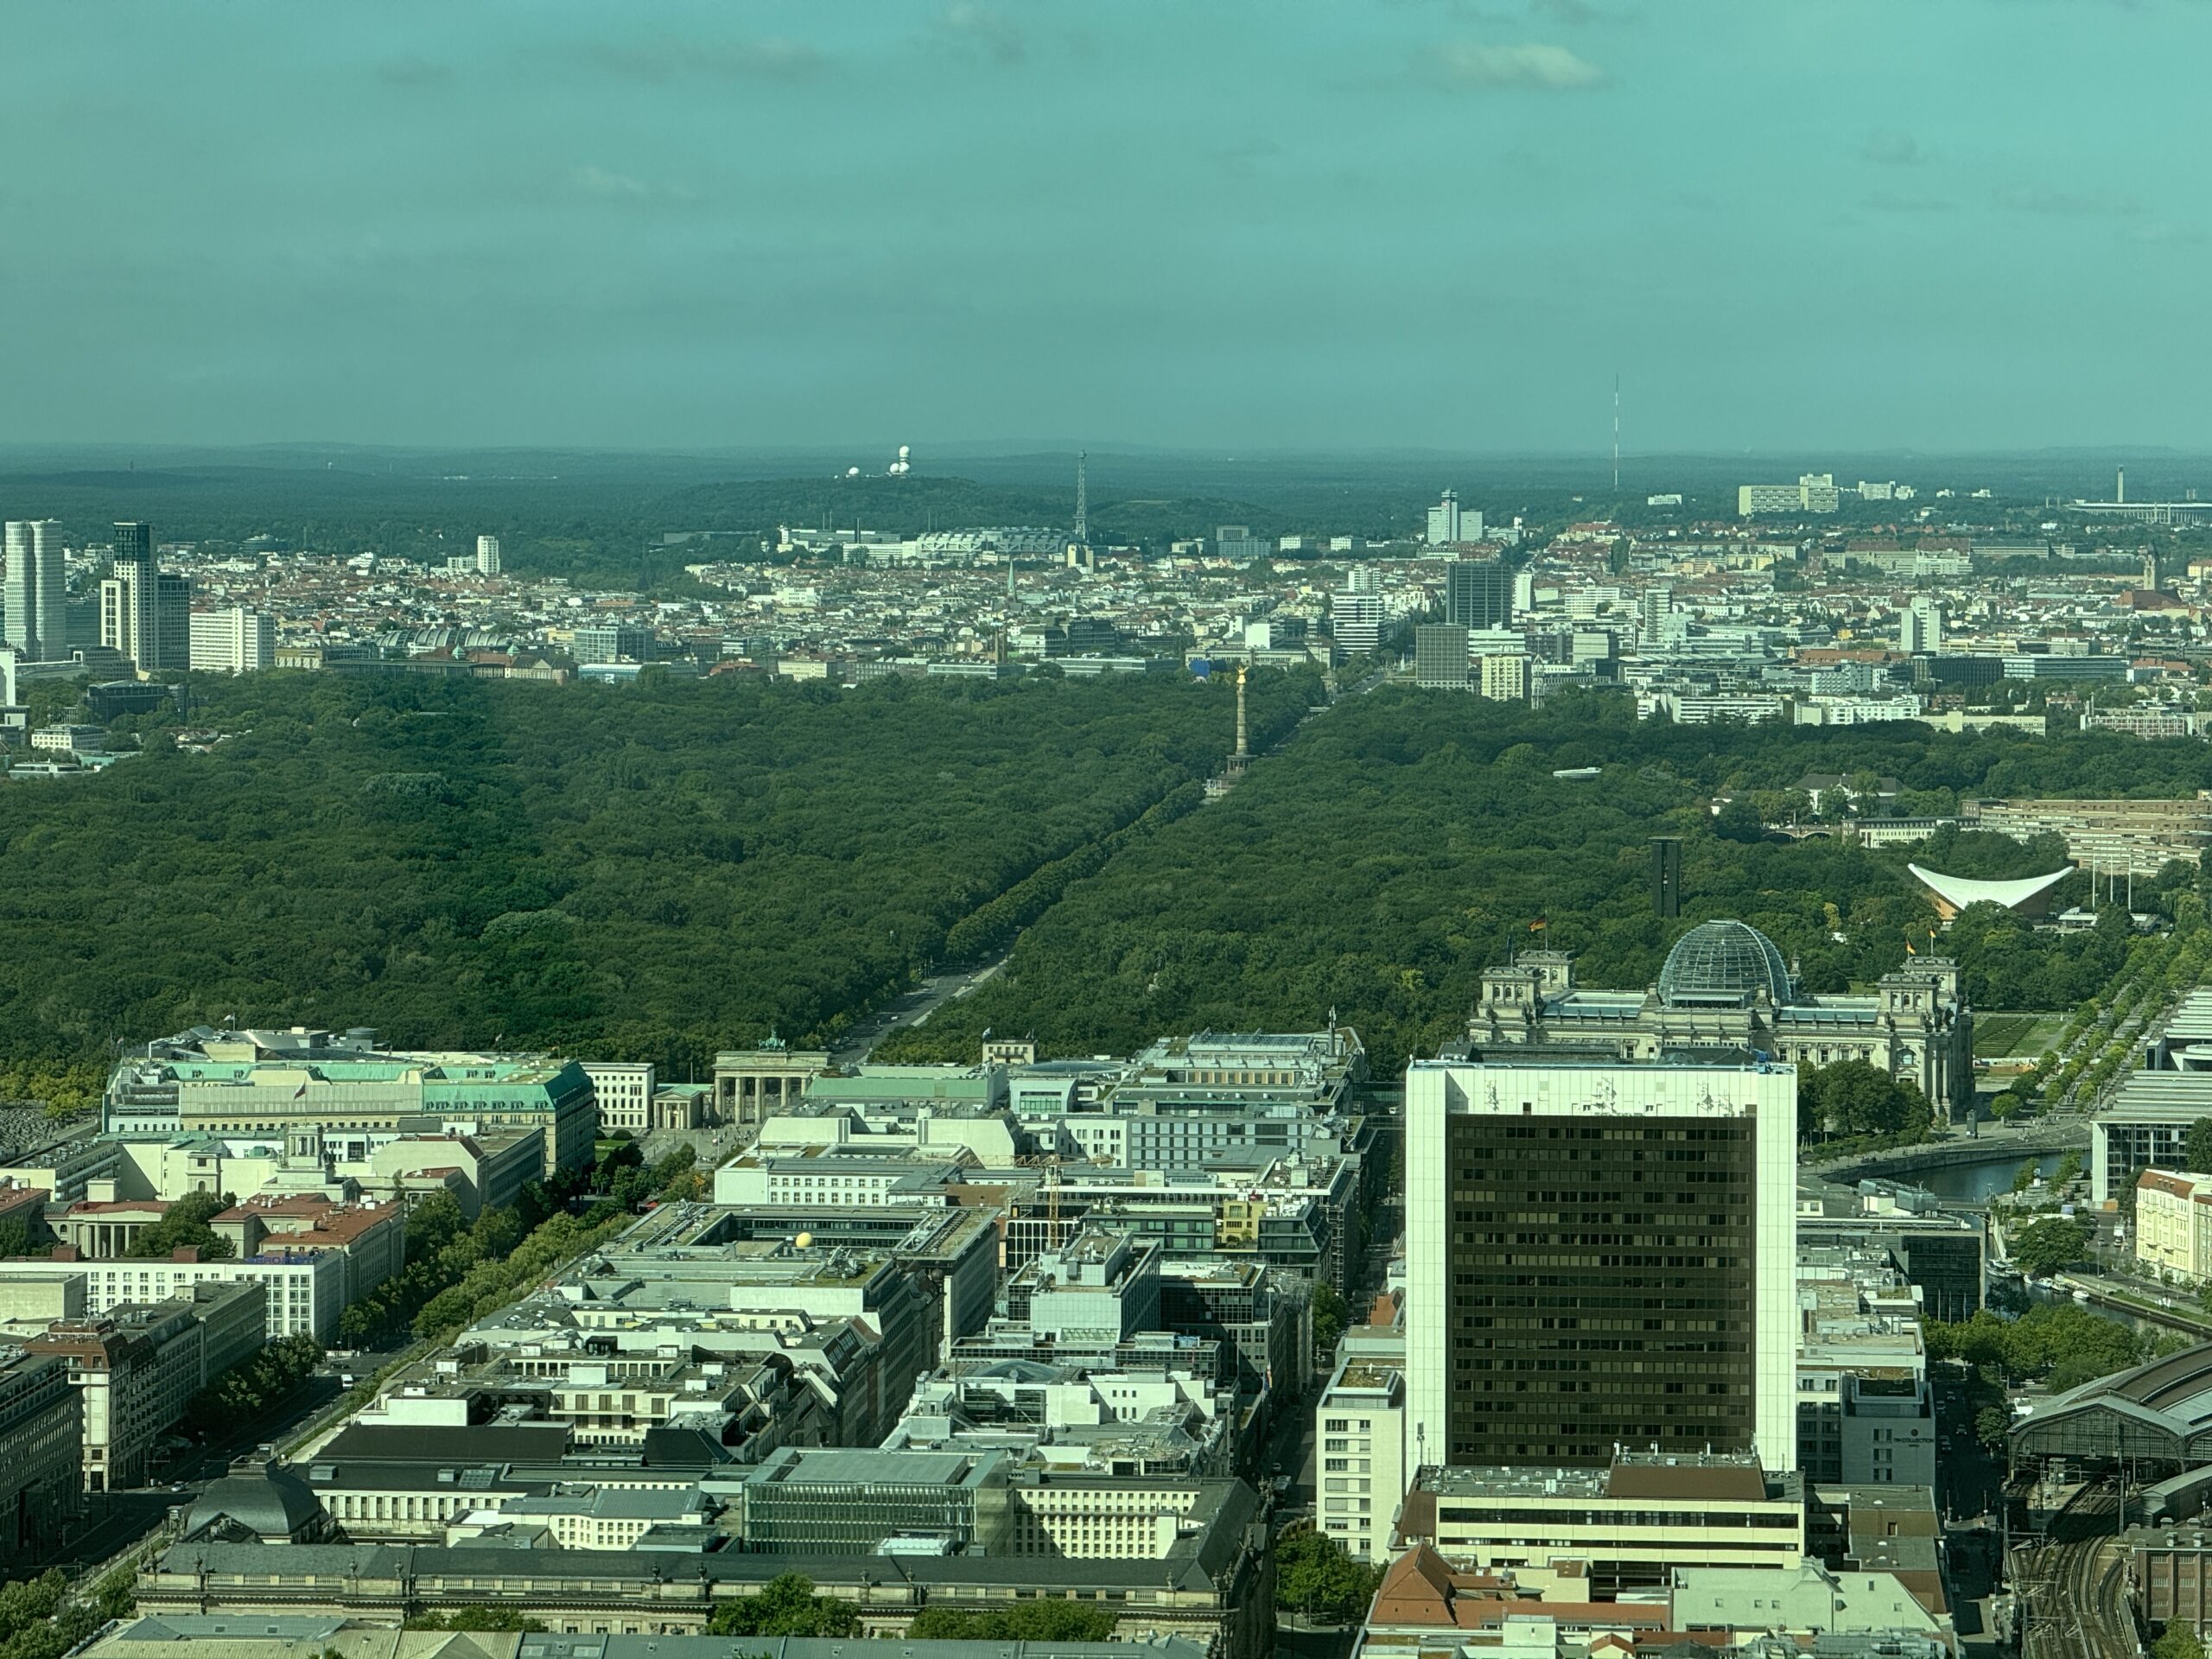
1311 227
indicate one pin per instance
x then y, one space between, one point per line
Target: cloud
768 58
413 72
1532 64
621 187
1571 11
979 29
1893 149
1244 160
2162 232
2057 204
1893 201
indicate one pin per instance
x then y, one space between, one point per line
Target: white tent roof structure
1954 893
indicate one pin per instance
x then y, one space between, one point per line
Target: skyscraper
1443 520
487 555
1601 1255
36 596
1921 627
1449 522
146 614
1477 594
1356 619
1441 656
134 542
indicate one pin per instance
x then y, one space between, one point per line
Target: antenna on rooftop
1616 431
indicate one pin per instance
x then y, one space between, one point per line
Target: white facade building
1921 627
36 596
306 1292
1483 1135
624 1093
233 641
487 555
1359 1428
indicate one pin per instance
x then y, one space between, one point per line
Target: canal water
1982 1180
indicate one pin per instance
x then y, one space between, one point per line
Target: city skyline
1319 227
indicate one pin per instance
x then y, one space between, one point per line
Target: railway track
2074 1589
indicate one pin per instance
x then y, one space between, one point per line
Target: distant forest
601 519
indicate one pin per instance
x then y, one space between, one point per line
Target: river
1981 1180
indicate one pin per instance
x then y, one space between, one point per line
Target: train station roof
2162 1409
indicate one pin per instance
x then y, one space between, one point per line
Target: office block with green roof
357 1093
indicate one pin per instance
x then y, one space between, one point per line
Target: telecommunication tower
1082 502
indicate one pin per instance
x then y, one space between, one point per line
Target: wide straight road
909 1009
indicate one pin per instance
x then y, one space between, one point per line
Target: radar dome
804 1241
1724 964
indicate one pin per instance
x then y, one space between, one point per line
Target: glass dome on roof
1723 964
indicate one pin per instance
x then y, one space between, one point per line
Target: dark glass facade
1477 594
1602 1275
134 544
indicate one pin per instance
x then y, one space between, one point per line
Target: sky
1950 226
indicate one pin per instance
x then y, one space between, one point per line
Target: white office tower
1443 520
233 641
146 614
36 594
1600 1255
1356 620
487 555
1448 524
1921 627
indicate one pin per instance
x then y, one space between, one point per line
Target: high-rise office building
1477 594
1449 522
487 555
1601 1255
1441 656
36 596
134 542
146 614
172 620
1356 620
233 641
1921 628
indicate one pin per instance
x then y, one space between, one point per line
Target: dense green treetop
1380 859
648 873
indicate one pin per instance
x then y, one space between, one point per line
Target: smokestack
1241 751
2119 485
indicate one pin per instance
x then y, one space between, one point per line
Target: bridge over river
1996 1143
